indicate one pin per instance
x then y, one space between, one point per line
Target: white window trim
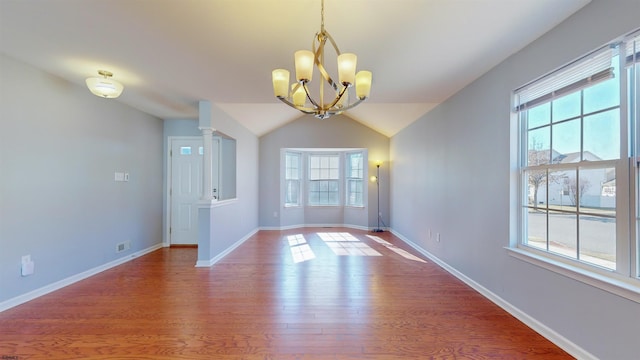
611 282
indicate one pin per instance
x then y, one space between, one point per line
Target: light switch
119 176
27 267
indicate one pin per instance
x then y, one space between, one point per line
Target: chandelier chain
322 16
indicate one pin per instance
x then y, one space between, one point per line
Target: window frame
349 179
309 180
625 279
299 180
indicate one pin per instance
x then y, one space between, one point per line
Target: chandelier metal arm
318 50
306 90
303 109
355 103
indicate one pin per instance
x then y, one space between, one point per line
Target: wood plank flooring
313 293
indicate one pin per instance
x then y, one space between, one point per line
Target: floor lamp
377 180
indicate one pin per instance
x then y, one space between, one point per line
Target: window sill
627 289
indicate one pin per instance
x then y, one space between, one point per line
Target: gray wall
451 174
308 132
59 148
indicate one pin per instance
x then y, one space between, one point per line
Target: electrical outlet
123 246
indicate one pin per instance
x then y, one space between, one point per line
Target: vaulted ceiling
169 54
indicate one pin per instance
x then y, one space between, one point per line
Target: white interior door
186 190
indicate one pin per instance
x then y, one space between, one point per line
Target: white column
207 168
205 124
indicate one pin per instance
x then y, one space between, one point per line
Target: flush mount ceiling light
298 96
104 86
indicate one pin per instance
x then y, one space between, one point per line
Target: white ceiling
169 54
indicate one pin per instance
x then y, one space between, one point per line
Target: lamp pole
377 229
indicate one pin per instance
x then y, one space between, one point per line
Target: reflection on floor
346 244
342 244
395 249
300 250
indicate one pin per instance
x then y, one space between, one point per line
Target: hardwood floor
281 295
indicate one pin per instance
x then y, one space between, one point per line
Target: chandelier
298 95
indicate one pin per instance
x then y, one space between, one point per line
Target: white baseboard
551 335
21 299
290 227
227 251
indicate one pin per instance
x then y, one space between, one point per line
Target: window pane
185 150
563 234
602 136
536 228
314 198
292 192
539 115
602 95
354 193
539 145
333 199
566 142
566 107
597 190
559 195
598 240
537 188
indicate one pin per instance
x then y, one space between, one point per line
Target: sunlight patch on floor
300 250
345 244
395 249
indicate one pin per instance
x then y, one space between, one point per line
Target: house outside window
578 132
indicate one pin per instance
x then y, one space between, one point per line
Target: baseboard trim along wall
290 227
21 299
227 251
551 335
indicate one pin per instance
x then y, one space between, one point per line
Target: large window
578 135
292 178
324 179
355 179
